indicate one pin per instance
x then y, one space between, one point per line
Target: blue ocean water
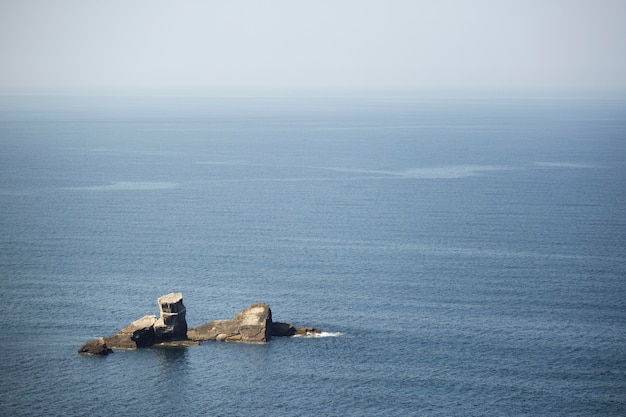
467 255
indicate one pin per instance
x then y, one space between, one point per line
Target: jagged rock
252 325
147 331
172 324
139 333
282 329
95 347
306 331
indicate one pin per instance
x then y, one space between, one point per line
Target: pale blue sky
238 45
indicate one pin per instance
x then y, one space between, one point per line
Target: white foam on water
442 172
564 165
128 186
14 193
452 172
221 163
320 335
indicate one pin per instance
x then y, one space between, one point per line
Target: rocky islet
252 325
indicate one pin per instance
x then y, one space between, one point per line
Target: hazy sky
205 45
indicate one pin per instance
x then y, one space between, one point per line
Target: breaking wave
322 334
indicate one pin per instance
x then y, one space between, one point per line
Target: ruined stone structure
172 324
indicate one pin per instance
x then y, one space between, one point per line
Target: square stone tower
171 323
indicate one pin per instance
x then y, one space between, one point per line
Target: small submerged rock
306 331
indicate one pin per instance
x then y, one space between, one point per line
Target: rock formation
95 347
172 324
148 331
283 329
252 325
139 333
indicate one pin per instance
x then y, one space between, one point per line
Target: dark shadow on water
172 371
171 356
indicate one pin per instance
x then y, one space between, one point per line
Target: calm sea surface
467 257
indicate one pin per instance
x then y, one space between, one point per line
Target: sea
462 256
